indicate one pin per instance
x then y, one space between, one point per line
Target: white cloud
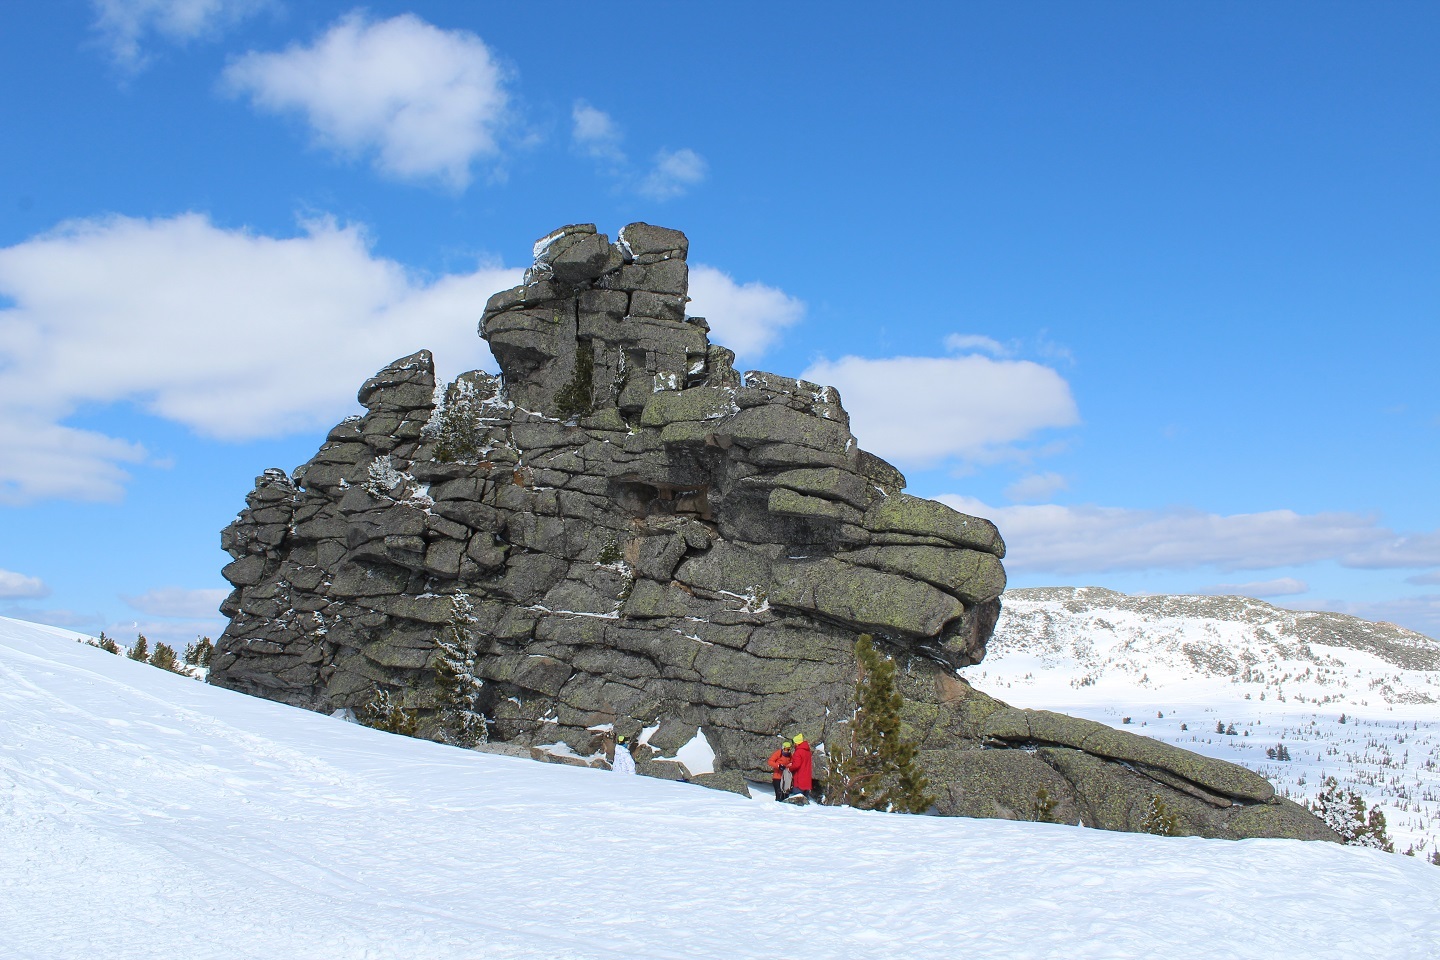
746 317
14 586
47 459
1036 486
1090 539
971 342
1425 579
428 101
232 334
595 133
674 173
1281 587
124 24
922 410
178 602
1414 550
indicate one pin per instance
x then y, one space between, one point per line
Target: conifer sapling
876 770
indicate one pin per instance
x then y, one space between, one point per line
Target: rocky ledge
622 532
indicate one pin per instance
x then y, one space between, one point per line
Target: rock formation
620 531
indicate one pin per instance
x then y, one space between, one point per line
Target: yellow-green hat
798 738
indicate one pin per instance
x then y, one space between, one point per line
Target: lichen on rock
620 533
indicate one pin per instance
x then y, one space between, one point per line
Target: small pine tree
1159 819
107 644
1230 730
197 654
462 722
877 769
164 657
455 426
1219 726
1045 806
141 650
383 712
1435 857
1344 811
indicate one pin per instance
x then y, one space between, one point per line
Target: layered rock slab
622 532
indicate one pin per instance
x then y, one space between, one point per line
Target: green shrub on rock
1159 819
383 712
460 691
577 398
455 425
1045 805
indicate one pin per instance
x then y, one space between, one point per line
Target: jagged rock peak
620 532
599 325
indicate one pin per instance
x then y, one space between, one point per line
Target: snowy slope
1279 676
143 814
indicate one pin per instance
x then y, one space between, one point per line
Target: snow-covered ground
1178 666
143 814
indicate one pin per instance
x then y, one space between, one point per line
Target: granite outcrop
621 533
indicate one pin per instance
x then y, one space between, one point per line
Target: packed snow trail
143 814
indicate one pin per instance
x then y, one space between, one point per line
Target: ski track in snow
145 815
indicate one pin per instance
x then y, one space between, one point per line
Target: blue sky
1156 287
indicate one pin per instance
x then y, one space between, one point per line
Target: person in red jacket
800 766
780 769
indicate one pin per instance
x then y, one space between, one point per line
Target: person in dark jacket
801 765
780 769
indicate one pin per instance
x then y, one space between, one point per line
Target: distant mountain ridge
1233 678
1230 636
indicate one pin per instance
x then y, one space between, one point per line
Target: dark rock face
621 530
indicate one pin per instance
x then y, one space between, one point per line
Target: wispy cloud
178 602
1069 540
922 411
124 25
1036 486
672 173
232 334
426 102
18 586
972 342
1280 587
746 317
595 133
1414 550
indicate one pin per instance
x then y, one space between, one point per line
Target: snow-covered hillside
143 814
1179 666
